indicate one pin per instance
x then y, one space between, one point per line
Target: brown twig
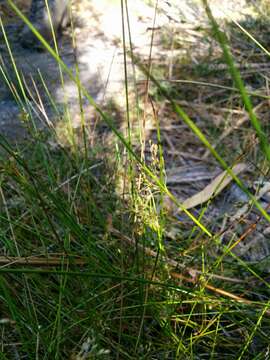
41 260
194 273
216 290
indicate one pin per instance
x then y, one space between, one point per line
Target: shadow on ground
51 94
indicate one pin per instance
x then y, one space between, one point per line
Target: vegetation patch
134 220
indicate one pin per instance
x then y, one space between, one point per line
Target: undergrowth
100 259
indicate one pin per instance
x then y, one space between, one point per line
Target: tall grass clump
93 263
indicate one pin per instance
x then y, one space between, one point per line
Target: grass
93 265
